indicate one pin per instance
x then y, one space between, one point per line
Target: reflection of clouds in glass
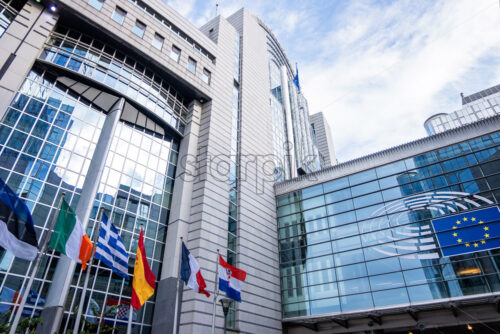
63 159
70 178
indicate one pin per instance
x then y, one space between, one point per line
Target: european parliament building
127 106
404 240
201 133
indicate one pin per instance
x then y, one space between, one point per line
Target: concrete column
285 94
20 45
180 213
54 305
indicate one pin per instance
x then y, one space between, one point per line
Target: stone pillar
56 297
180 213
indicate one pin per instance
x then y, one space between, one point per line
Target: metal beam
313 327
342 322
376 318
497 303
413 314
453 308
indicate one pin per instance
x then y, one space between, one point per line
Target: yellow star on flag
459 240
465 219
455 234
473 219
480 222
486 228
476 244
483 242
454 227
459 222
467 244
486 235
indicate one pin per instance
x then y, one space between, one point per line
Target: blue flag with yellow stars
468 232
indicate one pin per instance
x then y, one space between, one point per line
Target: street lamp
226 302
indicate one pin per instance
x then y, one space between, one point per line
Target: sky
378 69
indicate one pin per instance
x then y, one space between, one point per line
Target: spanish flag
143 285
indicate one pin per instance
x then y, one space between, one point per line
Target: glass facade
478 106
8 12
47 140
91 58
366 240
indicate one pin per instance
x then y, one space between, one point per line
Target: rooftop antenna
216 8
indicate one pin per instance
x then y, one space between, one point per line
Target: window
158 41
119 15
97 4
206 76
139 28
175 53
191 65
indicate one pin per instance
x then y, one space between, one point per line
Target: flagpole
131 310
43 248
216 292
130 315
176 325
87 274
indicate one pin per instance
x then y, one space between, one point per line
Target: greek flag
110 249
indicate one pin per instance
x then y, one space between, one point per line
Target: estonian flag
17 232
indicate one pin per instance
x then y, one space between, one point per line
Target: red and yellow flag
143 285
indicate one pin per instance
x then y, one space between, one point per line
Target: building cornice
396 153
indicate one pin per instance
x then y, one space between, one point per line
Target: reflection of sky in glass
376 228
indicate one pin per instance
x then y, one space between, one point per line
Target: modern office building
322 137
399 241
126 106
477 106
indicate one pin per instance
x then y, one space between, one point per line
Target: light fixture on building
53 8
469 327
470 271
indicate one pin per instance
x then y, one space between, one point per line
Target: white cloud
378 69
389 67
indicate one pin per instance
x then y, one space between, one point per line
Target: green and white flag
69 238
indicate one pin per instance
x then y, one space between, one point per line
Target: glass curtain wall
366 240
48 137
90 57
8 12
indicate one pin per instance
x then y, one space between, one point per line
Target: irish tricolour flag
69 238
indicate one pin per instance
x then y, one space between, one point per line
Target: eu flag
468 232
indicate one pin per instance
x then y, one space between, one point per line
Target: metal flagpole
216 292
43 249
177 299
87 274
130 315
131 310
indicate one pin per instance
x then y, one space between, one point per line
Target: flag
143 284
110 248
17 230
122 310
69 238
468 232
191 273
13 296
230 279
296 78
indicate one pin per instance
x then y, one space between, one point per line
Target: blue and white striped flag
110 248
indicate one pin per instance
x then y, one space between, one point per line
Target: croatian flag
231 279
191 274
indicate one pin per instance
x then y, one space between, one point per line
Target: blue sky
378 69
